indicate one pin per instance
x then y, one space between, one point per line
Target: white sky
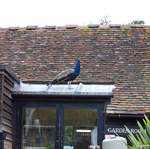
64 12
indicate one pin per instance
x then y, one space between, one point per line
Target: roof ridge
72 27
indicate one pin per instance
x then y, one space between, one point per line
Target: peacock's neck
77 69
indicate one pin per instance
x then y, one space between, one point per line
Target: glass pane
39 128
80 128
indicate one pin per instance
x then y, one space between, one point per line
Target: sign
120 130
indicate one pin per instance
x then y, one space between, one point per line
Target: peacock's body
68 75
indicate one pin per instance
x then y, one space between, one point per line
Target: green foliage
137 22
68 137
142 139
50 146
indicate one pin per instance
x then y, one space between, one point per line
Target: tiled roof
112 54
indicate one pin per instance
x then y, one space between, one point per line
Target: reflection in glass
80 128
39 128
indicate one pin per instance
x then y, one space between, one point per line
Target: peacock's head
78 59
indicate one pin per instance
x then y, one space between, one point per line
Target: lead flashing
59 89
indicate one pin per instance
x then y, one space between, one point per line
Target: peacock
68 75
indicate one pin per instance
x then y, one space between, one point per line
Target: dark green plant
68 137
138 22
142 139
50 146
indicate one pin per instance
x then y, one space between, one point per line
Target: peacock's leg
69 84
